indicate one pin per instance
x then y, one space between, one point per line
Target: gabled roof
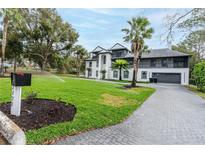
98 49
118 46
104 51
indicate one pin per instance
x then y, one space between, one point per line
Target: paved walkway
172 115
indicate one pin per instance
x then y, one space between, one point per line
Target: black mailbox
153 80
21 79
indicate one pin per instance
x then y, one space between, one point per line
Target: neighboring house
166 65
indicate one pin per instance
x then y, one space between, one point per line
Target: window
164 63
126 74
90 64
115 74
104 59
119 54
96 73
96 63
143 75
153 62
179 62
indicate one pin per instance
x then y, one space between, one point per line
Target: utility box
20 79
153 80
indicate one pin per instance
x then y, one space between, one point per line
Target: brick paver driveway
172 115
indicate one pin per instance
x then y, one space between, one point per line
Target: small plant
31 95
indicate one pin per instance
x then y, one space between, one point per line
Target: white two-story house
166 65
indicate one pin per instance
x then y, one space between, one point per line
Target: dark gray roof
154 53
98 49
157 53
117 46
163 53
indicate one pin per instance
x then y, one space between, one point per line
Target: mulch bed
37 113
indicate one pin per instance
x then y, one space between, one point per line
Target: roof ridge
119 45
98 47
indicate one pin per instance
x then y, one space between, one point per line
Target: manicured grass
195 89
94 109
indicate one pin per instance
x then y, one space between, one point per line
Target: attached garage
168 77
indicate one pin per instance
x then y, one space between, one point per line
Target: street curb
11 132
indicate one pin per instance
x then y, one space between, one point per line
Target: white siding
183 71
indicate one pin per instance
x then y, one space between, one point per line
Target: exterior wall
104 66
94 69
109 72
183 71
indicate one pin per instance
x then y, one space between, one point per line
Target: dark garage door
168 77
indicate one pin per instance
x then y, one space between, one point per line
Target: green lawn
194 89
98 104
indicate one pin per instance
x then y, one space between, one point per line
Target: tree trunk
78 65
43 66
133 84
135 48
15 64
120 74
5 27
137 67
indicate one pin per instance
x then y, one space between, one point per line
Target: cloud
103 26
116 12
85 25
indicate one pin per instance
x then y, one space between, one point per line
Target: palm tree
80 53
120 64
139 31
7 15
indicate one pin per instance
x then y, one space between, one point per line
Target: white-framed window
90 64
144 75
126 74
115 74
104 59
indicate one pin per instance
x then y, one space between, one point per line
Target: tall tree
46 34
137 33
8 15
81 54
193 44
191 20
14 47
120 64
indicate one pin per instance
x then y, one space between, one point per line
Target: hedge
198 75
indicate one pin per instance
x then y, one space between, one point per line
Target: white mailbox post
16 100
18 80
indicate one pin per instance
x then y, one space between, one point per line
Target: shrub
31 95
198 75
